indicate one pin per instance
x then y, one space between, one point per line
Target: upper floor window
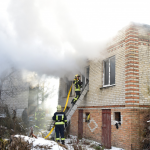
85 77
109 71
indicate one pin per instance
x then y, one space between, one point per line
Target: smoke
57 37
50 45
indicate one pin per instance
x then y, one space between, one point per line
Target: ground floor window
117 116
87 117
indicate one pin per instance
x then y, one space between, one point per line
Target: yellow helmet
77 75
59 108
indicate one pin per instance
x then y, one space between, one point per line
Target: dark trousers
59 130
76 98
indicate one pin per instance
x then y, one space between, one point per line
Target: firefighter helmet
77 75
59 108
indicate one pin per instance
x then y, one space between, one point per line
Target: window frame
109 72
86 115
85 77
116 115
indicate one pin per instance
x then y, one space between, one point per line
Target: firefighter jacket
77 84
60 118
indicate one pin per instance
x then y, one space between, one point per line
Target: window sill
107 86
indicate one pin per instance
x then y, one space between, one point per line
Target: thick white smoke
56 37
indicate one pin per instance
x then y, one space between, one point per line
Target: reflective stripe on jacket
59 118
77 84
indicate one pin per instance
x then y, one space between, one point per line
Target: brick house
118 90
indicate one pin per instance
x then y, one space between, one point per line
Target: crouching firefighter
78 84
60 120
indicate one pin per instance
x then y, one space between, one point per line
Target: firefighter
39 118
78 84
60 120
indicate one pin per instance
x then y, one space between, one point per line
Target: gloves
65 124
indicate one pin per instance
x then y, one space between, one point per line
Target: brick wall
131 67
74 124
126 136
111 95
131 48
130 94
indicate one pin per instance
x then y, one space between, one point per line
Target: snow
41 141
2 116
54 146
87 147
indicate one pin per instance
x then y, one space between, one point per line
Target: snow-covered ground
54 146
41 142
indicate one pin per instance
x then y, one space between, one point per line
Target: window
109 71
85 77
117 116
117 119
87 117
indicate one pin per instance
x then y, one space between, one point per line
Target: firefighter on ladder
78 84
60 120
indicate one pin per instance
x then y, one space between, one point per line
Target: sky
56 37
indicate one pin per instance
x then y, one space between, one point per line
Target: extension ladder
72 109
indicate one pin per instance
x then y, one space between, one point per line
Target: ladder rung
74 108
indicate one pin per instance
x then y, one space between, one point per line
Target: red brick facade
126 136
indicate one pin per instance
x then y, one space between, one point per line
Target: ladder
73 108
71 111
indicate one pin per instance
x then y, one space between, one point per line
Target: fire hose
63 111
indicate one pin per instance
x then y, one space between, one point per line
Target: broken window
109 71
87 119
85 77
117 116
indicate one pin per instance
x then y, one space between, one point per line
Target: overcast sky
57 36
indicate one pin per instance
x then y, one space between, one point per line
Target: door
80 123
106 128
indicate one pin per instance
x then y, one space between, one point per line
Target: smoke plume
57 37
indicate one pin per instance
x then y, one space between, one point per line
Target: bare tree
3 77
45 91
11 84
